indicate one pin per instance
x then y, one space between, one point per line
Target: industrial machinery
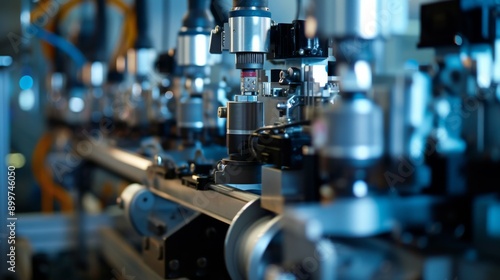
358 140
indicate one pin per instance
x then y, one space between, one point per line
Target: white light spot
76 104
26 100
360 188
136 90
363 74
169 94
443 108
362 106
484 67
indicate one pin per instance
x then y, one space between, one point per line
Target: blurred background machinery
251 139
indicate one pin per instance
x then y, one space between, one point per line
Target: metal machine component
249 241
281 187
247 33
352 18
341 160
194 60
360 18
244 115
190 113
193 49
335 138
172 256
242 119
138 203
304 84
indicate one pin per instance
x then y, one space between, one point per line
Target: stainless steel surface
249 34
343 18
350 129
278 185
190 113
245 98
248 239
249 84
354 217
239 131
94 73
221 203
192 50
140 61
127 164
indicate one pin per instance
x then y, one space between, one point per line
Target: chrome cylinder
190 113
351 129
250 33
342 18
193 49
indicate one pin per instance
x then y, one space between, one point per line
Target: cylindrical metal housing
193 40
242 119
141 61
249 33
351 130
190 113
348 18
193 49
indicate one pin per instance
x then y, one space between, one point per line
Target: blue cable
60 43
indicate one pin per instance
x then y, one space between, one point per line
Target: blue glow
26 100
26 82
360 188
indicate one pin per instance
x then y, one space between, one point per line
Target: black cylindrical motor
242 119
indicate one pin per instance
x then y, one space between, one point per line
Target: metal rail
220 202
126 164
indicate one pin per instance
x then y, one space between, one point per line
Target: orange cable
50 190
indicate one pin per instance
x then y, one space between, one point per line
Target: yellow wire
129 32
